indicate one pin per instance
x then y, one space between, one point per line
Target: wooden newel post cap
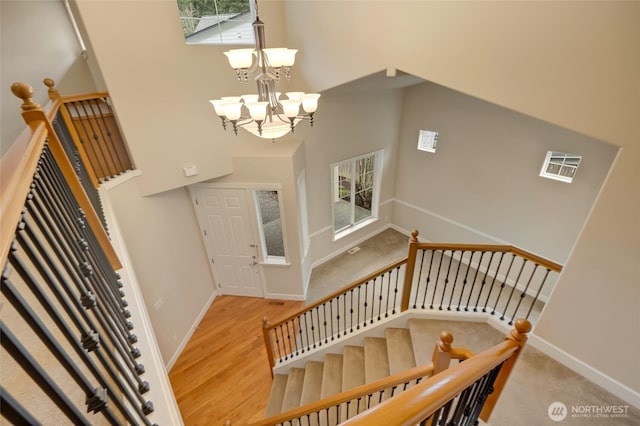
446 339
53 92
519 333
414 236
265 322
25 92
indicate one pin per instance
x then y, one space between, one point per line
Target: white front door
230 240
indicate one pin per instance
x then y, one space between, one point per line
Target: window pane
354 183
269 207
216 21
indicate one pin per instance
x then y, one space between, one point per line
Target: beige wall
349 123
574 64
37 42
160 87
483 184
163 239
261 162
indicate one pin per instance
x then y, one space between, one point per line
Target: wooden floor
223 372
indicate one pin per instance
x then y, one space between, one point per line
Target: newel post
518 336
267 343
411 265
31 111
53 92
442 352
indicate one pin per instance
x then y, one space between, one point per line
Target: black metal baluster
426 287
358 304
381 292
366 302
504 283
464 281
331 318
455 280
493 281
473 283
324 317
546 275
86 140
395 291
306 331
513 289
86 332
13 411
344 314
435 287
446 279
45 336
415 301
111 146
351 311
484 281
19 353
96 140
523 294
41 204
315 325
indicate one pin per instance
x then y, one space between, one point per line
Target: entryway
230 239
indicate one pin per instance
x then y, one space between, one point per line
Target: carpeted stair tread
376 359
400 350
352 367
293 391
277 395
312 384
331 375
423 338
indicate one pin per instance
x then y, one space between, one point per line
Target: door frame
248 189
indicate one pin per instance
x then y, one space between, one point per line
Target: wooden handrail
443 353
16 175
21 161
421 401
350 395
337 293
553 266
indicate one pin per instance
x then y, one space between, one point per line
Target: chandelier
264 114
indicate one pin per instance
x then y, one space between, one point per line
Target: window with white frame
355 188
427 140
560 166
217 21
270 223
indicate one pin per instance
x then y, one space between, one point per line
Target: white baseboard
193 328
608 383
279 296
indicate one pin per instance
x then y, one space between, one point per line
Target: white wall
162 237
37 42
482 184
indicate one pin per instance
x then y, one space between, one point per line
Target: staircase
399 350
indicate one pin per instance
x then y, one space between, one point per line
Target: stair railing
458 395
68 351
364 302
502 281
91 123
337 408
